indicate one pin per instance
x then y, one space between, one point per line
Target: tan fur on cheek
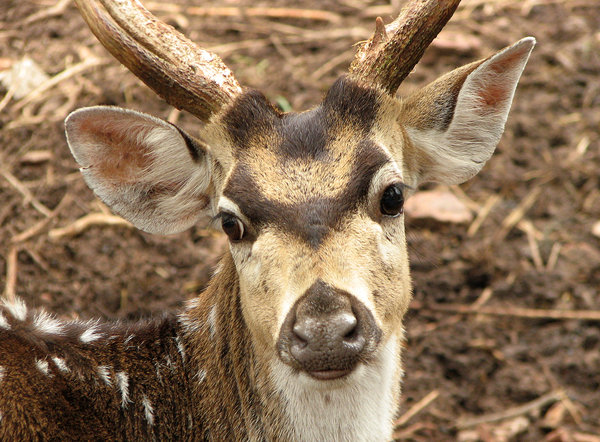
263 279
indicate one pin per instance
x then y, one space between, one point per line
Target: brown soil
548 157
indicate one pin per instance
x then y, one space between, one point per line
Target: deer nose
327 332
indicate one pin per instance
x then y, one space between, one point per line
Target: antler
388 57
185 75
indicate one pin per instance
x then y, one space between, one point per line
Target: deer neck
244 395
223 356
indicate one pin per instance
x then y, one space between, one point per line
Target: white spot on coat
3 322
43 366
123 384
16 308
158 375
218 269
148 410
212 321
104 373
169 363
61 364
2 372
90 335
180 348
201 375
47 324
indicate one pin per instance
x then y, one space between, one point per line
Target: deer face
313 205
311 202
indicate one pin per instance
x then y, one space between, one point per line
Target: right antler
393 50
185 75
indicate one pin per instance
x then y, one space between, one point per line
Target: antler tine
185 75
388 57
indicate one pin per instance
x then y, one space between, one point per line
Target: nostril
300 333
351 334
304 330
346 324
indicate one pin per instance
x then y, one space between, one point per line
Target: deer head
311 202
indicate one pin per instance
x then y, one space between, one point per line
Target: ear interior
456 122
145 169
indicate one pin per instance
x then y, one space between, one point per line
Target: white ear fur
144 168
458 152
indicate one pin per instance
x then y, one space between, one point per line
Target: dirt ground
475 347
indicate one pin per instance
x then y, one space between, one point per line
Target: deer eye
233 227
392 200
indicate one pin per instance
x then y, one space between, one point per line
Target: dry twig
57 9
517 214
59 78
29 198
344 57
417 408
40 225
519 312
232 11
87 221
11 274
482 214
533 245
536 404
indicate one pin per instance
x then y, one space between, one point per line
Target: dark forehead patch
347 106
312 216
350 103
251 114
303 135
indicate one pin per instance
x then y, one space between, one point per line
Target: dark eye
392 200
233 227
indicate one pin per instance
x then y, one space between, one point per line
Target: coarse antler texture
185 75
388 57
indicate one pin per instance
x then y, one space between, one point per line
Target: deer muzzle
327 332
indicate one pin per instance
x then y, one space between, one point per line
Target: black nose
327 332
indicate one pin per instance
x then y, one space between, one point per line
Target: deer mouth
329 375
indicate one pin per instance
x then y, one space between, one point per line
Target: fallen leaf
554 416
23 77
596 229
507 430
440 205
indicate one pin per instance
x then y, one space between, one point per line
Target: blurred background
503 337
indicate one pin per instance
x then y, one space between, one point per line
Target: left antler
186 76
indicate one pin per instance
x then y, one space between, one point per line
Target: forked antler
185 75
388 57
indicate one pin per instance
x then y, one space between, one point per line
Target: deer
299 334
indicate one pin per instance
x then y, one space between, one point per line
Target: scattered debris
23 77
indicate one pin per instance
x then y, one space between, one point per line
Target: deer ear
455 123
145 169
